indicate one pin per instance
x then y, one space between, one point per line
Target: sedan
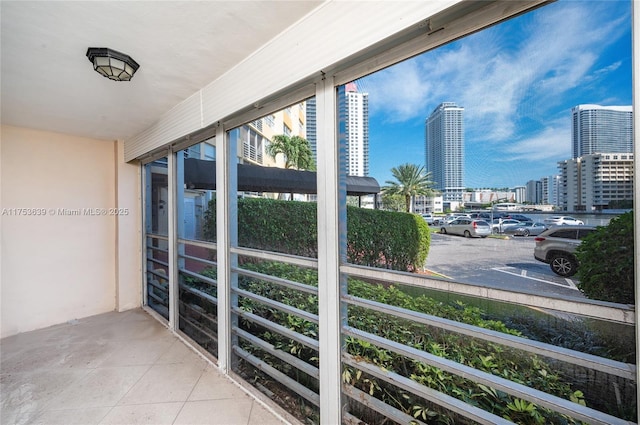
561 220
467 227
500 224
533 229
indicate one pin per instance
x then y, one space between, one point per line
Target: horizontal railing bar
160 309
212 320
283 379
441 399
349 419
311 263
620 313
379 406
200 293
201 260
302 339
518 390
277 305
198 276
157 286
162 263
624 370
299 364
160 275
199 329
157 298
277 280
201 244
155 248
156 236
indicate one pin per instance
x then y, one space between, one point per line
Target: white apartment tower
354 113
598 129
596 182
311 135
550 190
444 147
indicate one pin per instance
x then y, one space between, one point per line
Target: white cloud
549 144
501 77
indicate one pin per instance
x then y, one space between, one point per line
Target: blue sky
517 82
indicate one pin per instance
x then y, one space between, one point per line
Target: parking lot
499 263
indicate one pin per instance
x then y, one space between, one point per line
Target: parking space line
523 274
571 284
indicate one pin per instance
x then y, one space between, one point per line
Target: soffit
48 83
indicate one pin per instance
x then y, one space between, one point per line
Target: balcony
117 368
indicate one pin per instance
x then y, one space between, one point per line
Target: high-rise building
597 129
354 119
534 192
311 135
549 190
596 182
444 147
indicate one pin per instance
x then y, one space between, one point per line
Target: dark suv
556 247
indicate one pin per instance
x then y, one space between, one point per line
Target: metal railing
274 363
157 283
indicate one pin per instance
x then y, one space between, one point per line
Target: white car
499 224
467 227
428 217
560 220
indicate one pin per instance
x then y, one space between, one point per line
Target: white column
331 239
129 232
635 35
173 240
226 228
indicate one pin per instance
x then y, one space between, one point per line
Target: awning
201 174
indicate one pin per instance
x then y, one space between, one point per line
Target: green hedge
606 257
385 239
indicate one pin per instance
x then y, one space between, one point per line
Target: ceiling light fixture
112 64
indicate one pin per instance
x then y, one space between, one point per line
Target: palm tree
411 180
296 150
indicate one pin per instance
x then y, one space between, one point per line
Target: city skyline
516 90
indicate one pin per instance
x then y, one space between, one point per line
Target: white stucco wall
57 266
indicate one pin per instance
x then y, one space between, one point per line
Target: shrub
606 259
511 364
385 239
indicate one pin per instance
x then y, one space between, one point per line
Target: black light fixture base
112 64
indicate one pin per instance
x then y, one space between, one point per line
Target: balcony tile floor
117 368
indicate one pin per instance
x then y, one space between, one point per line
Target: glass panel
275 302
156 232
501 128
197 267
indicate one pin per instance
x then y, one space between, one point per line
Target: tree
411 180
606 258
296 150
392 202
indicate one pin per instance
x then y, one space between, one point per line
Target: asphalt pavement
504 262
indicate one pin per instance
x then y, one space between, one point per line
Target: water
588 219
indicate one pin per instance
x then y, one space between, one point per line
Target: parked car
467 227
525 229
499 224
556 246
428 217
486 216
519 217
560 220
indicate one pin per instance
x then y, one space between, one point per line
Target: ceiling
49 84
